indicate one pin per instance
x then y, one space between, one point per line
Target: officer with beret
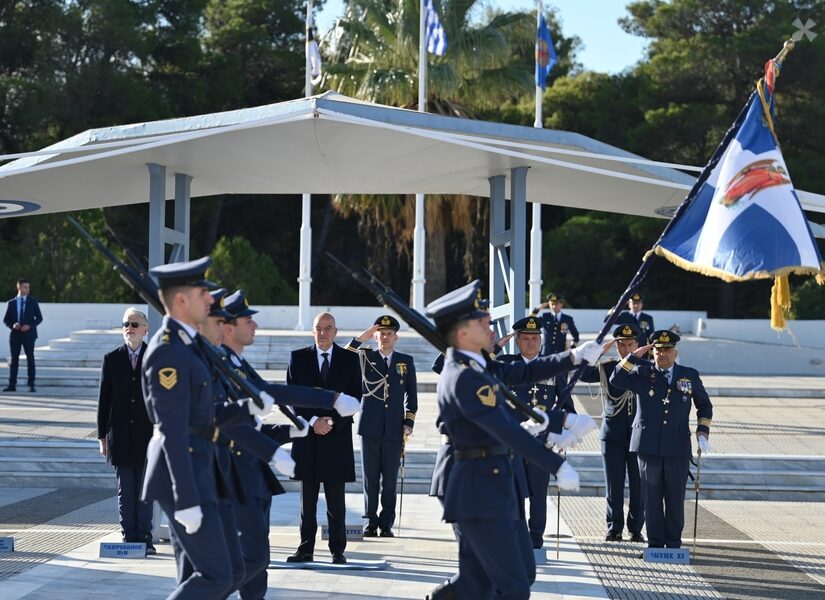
664 393
180 471
618 413
634 316
388 406
485 490
543 395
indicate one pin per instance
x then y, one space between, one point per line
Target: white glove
294 432
346 405
191 518
579 425
589 352
566 478
259 422
534 428
282 462
564 440
704 444
268 401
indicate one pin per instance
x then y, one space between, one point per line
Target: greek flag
545 54
745 221
436 38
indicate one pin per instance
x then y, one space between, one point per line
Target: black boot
445 591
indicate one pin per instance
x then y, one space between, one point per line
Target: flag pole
535 231
419 233
647 260
305 260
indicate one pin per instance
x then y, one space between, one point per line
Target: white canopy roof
334 144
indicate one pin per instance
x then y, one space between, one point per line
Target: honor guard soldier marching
618 413
541 395
388 407
664 393
180 471
484 490
634 316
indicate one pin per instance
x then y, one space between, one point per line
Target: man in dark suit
325 455
665 392
124 429
22 317
389 404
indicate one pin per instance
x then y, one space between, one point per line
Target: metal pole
535 231
419 233
305 261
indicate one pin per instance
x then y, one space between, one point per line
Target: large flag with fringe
745 221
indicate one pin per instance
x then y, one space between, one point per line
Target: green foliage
808 301
236 264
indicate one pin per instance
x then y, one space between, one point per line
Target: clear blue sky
607 47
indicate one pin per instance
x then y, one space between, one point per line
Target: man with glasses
124 429
22 318
325 455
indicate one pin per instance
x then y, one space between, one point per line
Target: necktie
387 363
324 366
22 308
666 373
134 359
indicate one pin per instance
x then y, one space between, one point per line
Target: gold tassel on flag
780 302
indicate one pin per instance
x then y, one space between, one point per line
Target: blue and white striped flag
745 221
436 38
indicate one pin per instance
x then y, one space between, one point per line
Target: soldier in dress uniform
388 406
180 471
618 412
485 490
634 316
555 324
664 393
543 395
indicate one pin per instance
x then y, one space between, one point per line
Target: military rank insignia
168 377
184 337
487 395
644 325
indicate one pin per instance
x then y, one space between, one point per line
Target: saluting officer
542 395
661 432
388 406
180 471
634 316
484 493
555 324
618 413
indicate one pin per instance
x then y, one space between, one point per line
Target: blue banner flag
436 38
745 220
545 54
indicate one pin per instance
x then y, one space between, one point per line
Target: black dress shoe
370 532
150 549
338 558
637 537
9 388
613 536
445 591
299 557
387 533
31 389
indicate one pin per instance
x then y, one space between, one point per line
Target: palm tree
374 57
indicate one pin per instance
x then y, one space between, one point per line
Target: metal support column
535 257
305 267
518 245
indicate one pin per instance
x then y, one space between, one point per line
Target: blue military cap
664 338
191 273
527 325
554 297
636 297
628 331
388 322
238 306
460 304
217 309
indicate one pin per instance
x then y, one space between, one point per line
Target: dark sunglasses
133 324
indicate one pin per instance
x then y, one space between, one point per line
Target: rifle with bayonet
389 298
139 281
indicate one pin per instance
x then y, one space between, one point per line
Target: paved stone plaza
761 548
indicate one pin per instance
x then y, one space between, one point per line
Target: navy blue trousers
210 566
495 560
253 523
618 460
17 341
663 486
380 461
336 515
538 480
135 514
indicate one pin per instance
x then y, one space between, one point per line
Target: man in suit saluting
22 317
325 455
